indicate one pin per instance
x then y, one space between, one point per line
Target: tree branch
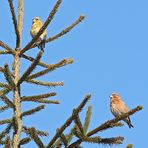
15 23
34 136
46 101
6 131
8 76
51 68
8 142
3 108
6 121
79 124
31 67
87 118
25 141
5 52
20 18
32 60
5 85
38 97
4 91
7 101
2 44
68 136
39 132
2 69
129 146
109 141
32 111
69 28
64 140
106 125
48 84
68 121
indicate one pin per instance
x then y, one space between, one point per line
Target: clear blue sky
110 49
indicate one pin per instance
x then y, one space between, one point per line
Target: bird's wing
115 110
122 107
43 36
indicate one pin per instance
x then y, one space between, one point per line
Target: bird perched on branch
118 107
36 26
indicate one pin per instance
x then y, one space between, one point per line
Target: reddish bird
118 107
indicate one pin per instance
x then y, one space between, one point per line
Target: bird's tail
128 121
41 45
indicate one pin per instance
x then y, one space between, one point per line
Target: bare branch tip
82 17
139 107
70 61
88 96
57 102
6 65
61 83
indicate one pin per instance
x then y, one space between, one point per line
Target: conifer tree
11 135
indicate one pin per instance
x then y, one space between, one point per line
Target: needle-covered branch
64 140
78 134
68 137
34 136
51 68
2 44
98 140
4 52
6 121
79 124
1 69
5 85
32 111
8 76
45 25
4 91
39 132
48 84
32 60
3 108
5 132
7 101
15 23
69 28
31 67
25 141
46 101
38 97
105 141
68 121
108 124
129 146
20 17
87 118
8 142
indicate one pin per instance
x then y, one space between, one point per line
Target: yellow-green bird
36 26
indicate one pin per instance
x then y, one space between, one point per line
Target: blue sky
110 52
